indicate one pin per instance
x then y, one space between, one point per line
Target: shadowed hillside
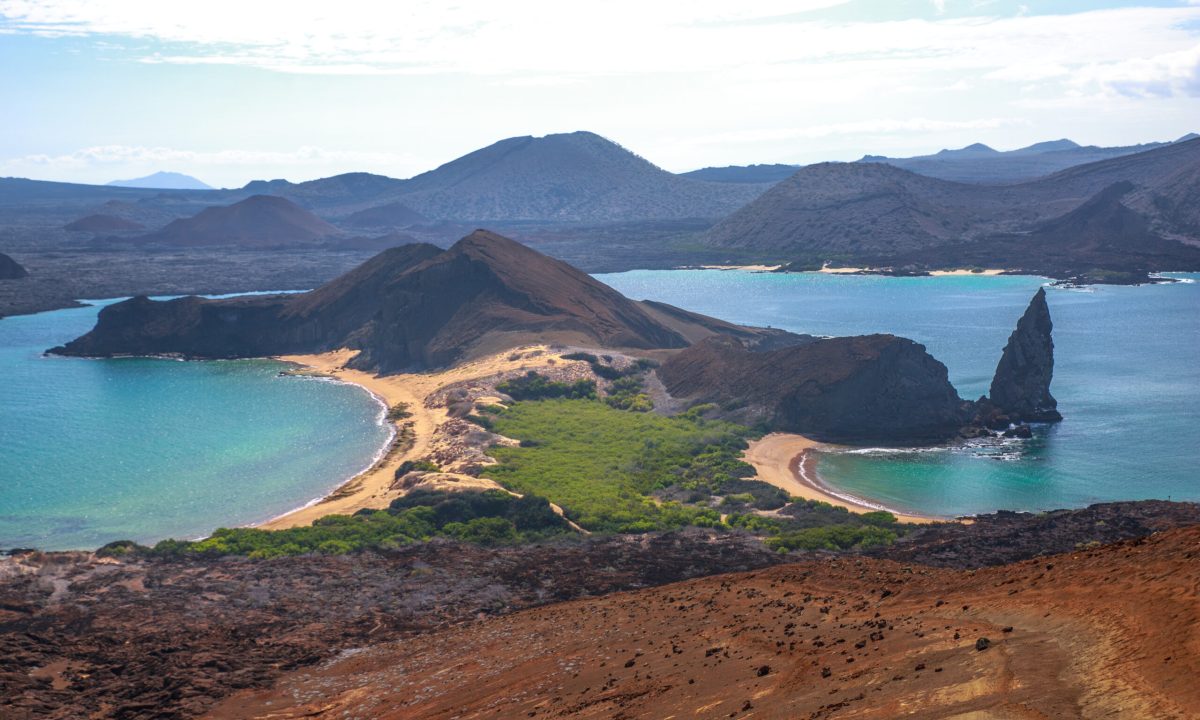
1129 214
411 306
256 222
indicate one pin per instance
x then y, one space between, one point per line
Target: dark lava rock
1020 431
10 269
1021 385
869 388
983 644
1006 536
144 639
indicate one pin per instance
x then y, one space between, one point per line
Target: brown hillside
1132 213
260 221
103 224
410 306
1105 632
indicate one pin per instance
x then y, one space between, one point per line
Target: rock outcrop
870 388
11 269
1021 386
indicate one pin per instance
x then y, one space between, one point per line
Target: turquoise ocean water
1127 380
98 450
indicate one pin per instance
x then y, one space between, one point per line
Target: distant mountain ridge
772 173
852 214
978 163
571 177
163 181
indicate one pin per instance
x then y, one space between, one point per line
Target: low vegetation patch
532 386
601 464
491 517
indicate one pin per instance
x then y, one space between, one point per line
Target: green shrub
832 537
415 466
603 463
490 517
533 386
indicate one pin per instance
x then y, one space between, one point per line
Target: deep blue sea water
1127 380
98 450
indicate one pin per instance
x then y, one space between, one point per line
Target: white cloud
560 39
859 128
1165 75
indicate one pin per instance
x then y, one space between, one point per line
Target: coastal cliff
870 388
1021 386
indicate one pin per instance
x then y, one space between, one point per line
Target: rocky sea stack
1021 386
11 269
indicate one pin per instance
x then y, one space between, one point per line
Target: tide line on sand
788 462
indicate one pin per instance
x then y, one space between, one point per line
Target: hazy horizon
232 92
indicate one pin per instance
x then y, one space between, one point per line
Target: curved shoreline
788 462
380 455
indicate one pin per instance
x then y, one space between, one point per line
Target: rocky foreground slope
1098 632
82 636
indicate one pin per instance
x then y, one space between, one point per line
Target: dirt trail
1108 632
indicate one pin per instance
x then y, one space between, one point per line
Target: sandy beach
747 268
786 461
415 434
781 459
963 272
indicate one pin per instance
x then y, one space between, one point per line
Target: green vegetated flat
610 464
601 464
493 517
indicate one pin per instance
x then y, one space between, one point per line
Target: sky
235 90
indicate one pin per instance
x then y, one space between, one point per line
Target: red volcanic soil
1104 632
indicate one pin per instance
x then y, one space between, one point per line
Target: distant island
163 181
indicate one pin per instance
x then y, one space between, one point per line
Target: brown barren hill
414 306
1133 213
101 223
1104 632
259 221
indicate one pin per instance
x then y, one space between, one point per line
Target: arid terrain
1105 632
84 636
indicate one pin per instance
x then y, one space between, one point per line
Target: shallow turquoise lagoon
98 450
1127 380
